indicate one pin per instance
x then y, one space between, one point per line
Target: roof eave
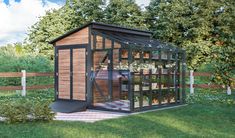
97 23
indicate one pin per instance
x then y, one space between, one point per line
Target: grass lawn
190 121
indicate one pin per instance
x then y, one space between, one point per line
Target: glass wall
154 77
131 79
110 80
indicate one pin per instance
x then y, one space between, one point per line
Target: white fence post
229 92
191 82
23 83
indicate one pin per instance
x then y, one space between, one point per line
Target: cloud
143 3
17 17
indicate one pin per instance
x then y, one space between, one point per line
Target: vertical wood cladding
64 74
80 37
79 74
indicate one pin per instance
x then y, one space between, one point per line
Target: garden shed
110 67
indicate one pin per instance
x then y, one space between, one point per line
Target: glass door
102 76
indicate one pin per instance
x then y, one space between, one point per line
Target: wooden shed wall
80 37
79 66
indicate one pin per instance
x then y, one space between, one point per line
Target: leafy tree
184 23
125 13
57 22
89 10
76 13
223 38
204 28
53 24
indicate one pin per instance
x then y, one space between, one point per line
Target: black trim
89 64
71 46
71 74
110 73
55 72
160 79
120 27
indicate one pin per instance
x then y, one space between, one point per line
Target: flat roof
107 27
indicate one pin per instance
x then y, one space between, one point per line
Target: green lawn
189 121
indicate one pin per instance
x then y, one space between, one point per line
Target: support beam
23 83
71 74
130 81
183 75
89 64
229 92
160 79
191 82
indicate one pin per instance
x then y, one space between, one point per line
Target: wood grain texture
64 74
10 74
34 87
9 88
79 74
80 37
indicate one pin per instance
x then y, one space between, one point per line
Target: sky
16 16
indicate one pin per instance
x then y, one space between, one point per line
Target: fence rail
9 88
19 74
206 74
23 76
192 74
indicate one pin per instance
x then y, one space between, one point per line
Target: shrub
22 109
14 111
210 98
41 111
13 61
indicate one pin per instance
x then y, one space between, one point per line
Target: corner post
191 82
23 82
229 92
183 75
89 86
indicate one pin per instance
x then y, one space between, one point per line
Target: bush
14 111
22 109
41 111
210 98
13 61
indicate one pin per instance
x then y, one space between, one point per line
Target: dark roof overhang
106 27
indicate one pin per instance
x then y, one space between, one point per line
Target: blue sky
55 1
14 28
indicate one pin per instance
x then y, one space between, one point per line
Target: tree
90 10
50 26
76 13
205 29
56 22
125 13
